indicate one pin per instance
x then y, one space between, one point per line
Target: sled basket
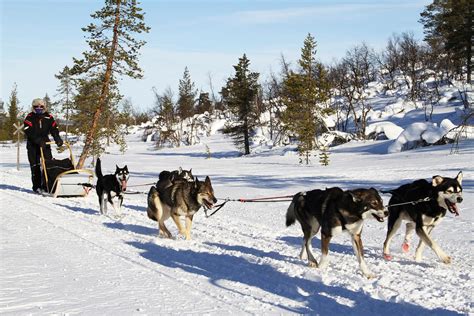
75 182
62 180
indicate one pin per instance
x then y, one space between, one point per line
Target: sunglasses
39 107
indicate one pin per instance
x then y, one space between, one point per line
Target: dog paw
387 257
312 264
369 275
446 260
405 247
164 235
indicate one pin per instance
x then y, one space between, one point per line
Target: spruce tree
113 53
187 96
204 103
166 123
324 156
241 94
50 104
451 24
302 93
13 112
66 94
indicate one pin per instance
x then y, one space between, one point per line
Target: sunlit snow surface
59 256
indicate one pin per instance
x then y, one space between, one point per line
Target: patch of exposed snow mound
391 130
333 138
329 122
420 133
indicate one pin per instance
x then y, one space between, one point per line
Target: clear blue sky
39 38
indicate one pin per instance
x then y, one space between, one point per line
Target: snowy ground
59 256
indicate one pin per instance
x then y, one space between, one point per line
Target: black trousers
34 157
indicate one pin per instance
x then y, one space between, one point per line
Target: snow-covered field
59 256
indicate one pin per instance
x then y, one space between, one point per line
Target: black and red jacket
39 126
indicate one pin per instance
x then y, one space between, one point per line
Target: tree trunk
104 92
246 138
470 42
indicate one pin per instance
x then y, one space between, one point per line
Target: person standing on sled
38 125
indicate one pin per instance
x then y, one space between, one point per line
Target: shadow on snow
225 267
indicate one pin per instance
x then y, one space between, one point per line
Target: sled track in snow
113 250
127 259
255 250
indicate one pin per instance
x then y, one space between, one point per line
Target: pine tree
241 94
113 52
187 96
204 103
13 112
66 94
451 23
84 108
302 93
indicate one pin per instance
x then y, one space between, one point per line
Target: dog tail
98 169
290 213
151 209
154 209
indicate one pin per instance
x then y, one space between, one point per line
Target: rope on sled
141 185
284 198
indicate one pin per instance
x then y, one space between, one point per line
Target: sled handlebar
66 143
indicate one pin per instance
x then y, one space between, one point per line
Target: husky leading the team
422 204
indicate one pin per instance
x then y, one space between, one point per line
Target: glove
59 142
42 143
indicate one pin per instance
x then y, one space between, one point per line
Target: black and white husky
441 194
334 211
111 186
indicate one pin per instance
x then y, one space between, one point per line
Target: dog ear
437 180
196 182
180 170
355 197
208 180
459 177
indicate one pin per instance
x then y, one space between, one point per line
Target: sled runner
62 179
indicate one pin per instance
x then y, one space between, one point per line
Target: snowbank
391 130
419 134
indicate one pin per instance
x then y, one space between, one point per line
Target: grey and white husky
442 194
181 198
167 178
334 211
